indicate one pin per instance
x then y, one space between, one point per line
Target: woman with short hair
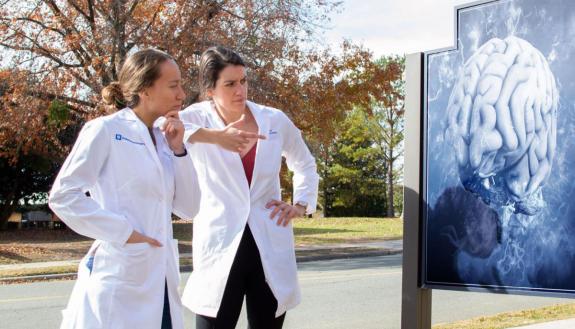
243 237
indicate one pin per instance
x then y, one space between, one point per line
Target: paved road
346 293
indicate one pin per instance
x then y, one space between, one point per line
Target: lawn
346 230
514 319
39 245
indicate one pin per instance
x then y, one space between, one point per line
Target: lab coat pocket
281 237
136 262
137 246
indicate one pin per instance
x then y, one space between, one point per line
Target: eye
243 81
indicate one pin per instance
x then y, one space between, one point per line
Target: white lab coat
131 186
228 203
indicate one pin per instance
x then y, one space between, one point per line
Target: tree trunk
325 188
390 210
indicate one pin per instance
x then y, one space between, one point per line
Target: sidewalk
562 324
303 254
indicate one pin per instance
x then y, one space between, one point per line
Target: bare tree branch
51 96
78 9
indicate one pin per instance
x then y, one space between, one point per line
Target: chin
238 107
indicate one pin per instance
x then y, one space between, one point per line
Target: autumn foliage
60 54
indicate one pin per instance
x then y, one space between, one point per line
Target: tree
31 148
359 83
353 80
389 111
75 48
357 175
22 180
318 92
62 53
72 49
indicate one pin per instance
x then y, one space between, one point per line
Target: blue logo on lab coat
119 137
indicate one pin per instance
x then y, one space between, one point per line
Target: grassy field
346 230
39 271
515 319
38 245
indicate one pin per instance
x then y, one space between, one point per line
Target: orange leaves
23 127
73 40
84 44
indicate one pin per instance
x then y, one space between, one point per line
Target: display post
416 302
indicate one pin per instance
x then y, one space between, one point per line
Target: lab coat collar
263 129
129 115
254 108
263 126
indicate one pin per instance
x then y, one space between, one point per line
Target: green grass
314 231
515 319
346 230
39 271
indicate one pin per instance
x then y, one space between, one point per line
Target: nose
181 93
240 90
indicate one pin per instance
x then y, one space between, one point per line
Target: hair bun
112 95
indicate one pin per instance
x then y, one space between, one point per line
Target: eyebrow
226 81
178 80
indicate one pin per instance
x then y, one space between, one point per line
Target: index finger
172 114
252 135
272 202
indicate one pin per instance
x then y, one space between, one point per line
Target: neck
228 116
146 117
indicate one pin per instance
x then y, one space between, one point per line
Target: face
231 90
166 93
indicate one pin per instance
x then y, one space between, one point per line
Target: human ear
144 94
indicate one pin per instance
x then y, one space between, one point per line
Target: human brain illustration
502 121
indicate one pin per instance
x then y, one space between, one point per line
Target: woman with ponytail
126 174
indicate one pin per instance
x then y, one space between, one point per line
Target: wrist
301 209
213 136
180 151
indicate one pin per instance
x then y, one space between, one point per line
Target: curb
322 254
41 277
336 255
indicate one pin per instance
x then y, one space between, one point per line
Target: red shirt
248 161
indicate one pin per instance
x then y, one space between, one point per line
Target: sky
395 26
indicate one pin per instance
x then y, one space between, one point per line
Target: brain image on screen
502 121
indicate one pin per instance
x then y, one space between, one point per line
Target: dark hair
139 71
213 61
